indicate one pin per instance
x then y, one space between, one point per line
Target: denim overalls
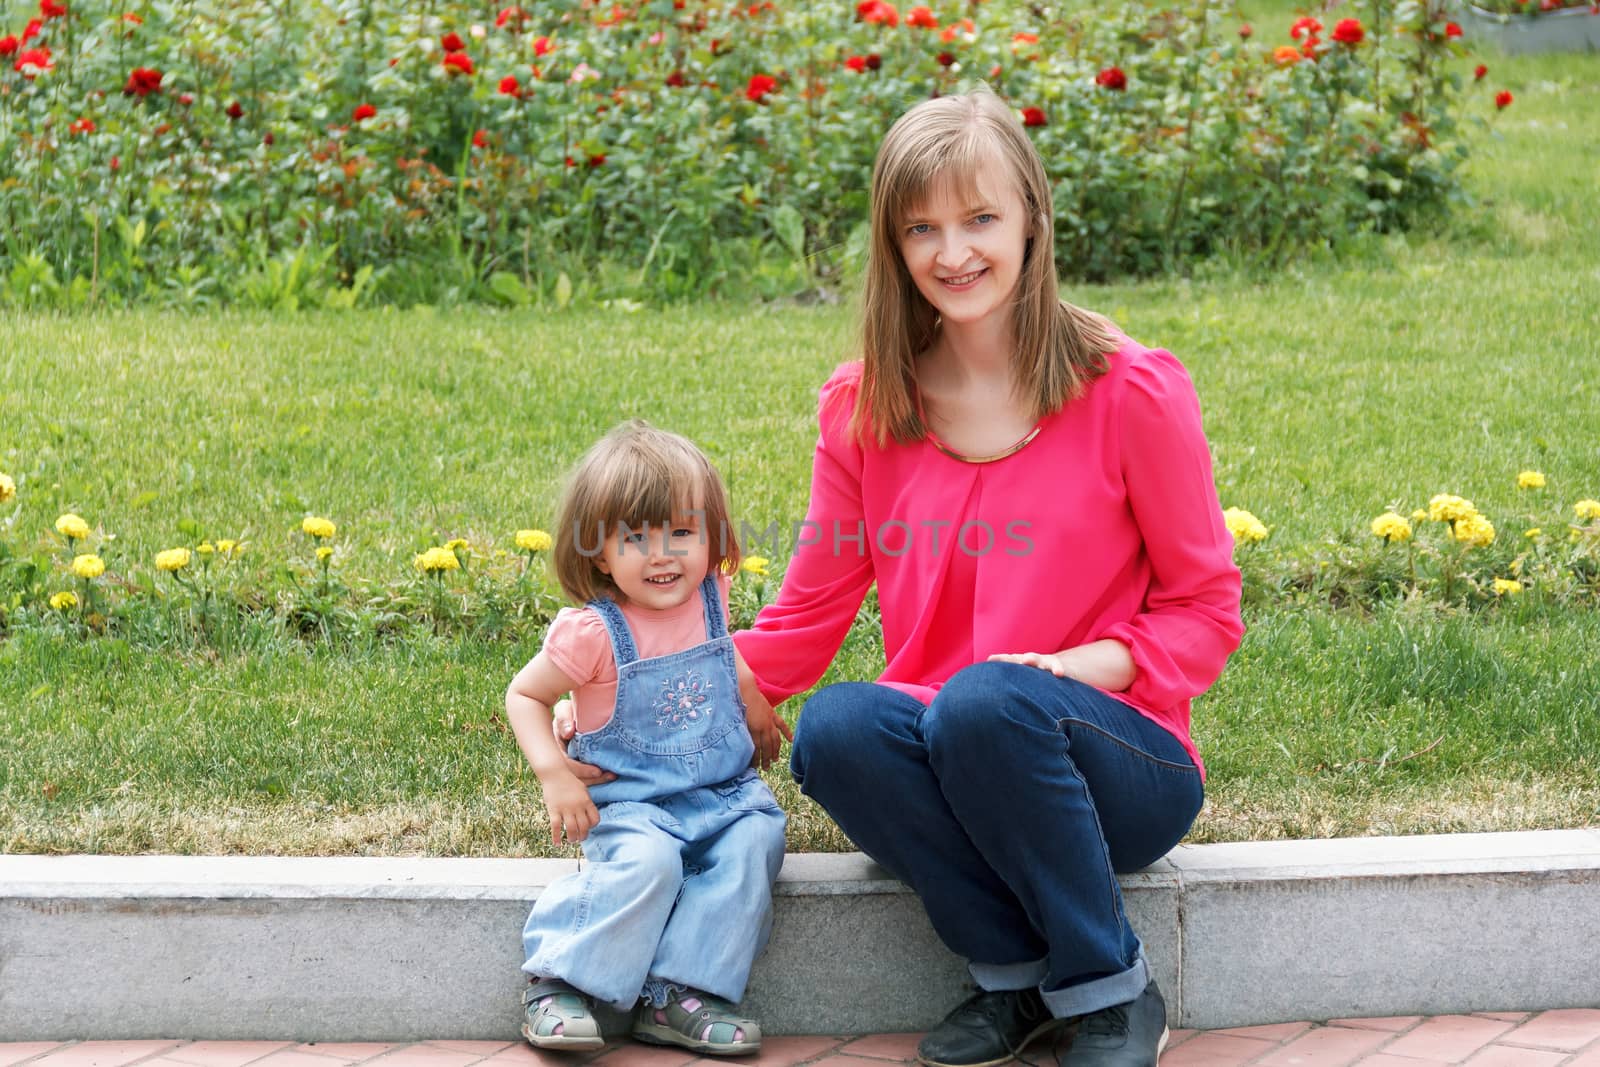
678 887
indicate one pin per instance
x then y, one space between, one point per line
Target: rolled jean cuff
1099 993
1002 977
657 991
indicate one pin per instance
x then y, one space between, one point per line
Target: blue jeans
1008 804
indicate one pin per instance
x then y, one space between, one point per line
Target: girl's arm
528 700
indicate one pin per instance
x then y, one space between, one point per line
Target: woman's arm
1105 664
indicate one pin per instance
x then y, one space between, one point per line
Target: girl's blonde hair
633 476
1059 348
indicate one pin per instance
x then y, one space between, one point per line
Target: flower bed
209 151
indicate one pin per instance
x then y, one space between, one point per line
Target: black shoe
1123 1035
987 1028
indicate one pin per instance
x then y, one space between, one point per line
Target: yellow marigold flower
1447 508
72 527
437 559
1244 526
87 566
8 488
1530 534
1502 586
455 543
227 547
534 541
1419 516
1391 527
206 548
63 601
324 553
756 565
1473 530
173 559
1587 509
1530 480
317 527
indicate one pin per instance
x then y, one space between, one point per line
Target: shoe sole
561 1042
1040 1031
653 1034
1161 1046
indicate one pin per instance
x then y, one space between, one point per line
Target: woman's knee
835 725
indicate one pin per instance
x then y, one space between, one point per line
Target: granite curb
400 949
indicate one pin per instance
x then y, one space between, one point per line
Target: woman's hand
564 723
1105 664
767 728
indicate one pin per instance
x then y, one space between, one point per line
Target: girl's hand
572 813
767 728
564 723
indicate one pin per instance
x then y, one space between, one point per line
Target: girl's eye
635 539
683 531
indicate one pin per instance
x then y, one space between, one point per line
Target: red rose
9 46
31 30
857 63
874 61
1245 31
676 79
267 137
235 111
186 99
1033 116
1112 78
133 17
509 86
542 46
760 85
598 159
877 11
480 139
571 162
52 10
514 15
363 112
161 129
34 62
1308 26
142 81
1502 99
921 16
458 61
82 126
1478 72
116 164
451 42
1452 30
945 59
994 72
1349 32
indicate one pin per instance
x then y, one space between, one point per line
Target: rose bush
214 151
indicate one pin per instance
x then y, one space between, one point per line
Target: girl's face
965 256
660 566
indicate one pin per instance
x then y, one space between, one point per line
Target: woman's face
965 254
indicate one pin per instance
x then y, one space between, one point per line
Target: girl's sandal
560 1017
699 1022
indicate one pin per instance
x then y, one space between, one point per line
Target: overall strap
716 627
622 645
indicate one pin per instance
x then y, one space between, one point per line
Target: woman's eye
918 229
982 219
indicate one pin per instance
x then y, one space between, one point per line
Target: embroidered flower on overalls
683 700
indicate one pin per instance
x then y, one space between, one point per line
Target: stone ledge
398 949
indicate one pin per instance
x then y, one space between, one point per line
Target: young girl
1031 492
683 839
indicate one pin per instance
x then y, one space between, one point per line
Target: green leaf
563 290
508 288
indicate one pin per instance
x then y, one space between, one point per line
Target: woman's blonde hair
634 476
1059 348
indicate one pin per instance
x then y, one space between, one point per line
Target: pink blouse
1106 525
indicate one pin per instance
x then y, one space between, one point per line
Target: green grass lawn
1332 390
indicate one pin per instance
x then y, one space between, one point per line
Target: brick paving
1562 1038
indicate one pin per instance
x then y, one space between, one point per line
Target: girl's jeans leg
1012 778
